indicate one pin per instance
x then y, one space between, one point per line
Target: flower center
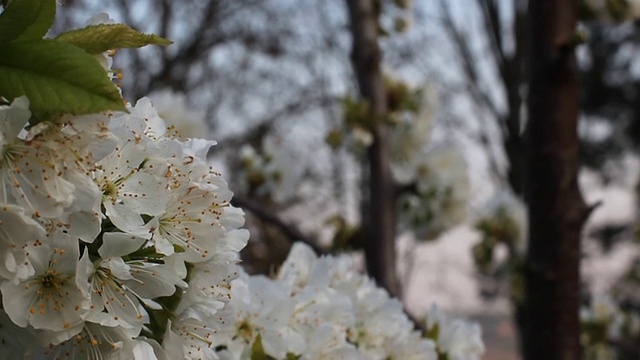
109 188
52 282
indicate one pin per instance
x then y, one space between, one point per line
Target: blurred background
278 84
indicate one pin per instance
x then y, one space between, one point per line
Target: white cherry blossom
456 338
173 108
95 342
56 296
17 232
29 175
317 308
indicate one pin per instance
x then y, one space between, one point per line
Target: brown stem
290 231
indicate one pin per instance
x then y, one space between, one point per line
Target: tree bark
380 226
557 211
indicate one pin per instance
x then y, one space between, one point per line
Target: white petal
119 244
16 302
118 268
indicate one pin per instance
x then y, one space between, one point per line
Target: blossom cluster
116 237
607 329
173 108
437 197
321 308
455 338
271 170
611 10
502 222
434 180
118 241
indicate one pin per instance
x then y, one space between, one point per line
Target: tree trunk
557 211
380 226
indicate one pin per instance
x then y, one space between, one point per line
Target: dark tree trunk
380 224
557 211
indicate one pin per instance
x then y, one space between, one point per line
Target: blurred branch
307 99
510 67
465 54
492 27
165 23
290 231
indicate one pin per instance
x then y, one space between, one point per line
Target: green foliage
402 4
59 75
483 253
157 325
394 17
516 279
401 25
594 332
57 78
26 19
356 112
578 38
617 10
400 97
636 231
256 178
346 237
335 139
257 351
96 39
499 229
433 333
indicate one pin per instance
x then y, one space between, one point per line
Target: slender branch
511 74
493 29
165 22
468 61
290 231
306 100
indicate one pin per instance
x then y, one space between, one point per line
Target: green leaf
26 19
57 78
433 333
96 39
257 351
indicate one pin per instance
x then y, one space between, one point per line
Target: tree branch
468 61
290 231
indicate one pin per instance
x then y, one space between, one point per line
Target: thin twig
290 231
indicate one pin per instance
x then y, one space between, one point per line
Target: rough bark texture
381 223
556 209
